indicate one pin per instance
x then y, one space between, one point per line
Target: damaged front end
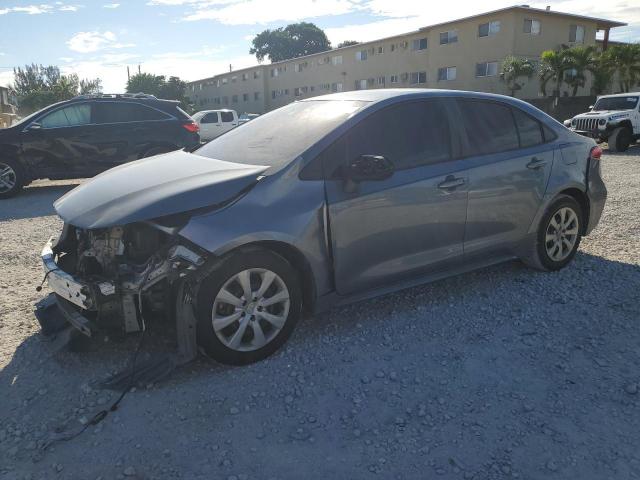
113 278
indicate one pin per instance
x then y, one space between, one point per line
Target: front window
447 73
361 55
418 78
488 29
278 137
419 44
576 33
70 116
616 103
486 69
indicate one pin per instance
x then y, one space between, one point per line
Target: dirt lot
503 373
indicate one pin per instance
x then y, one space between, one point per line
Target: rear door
61 142
125 131
407 225
210 126
509 167
229 120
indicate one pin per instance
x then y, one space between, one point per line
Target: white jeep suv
614 119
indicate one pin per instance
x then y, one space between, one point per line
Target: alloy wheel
8 178
250 309
561 234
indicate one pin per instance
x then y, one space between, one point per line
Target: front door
210 126
409 224
509 167
61 143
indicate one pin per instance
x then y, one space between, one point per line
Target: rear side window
113 112
529 129
410 135
490 127
226 116
70 116
211 117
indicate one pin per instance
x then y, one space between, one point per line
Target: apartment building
464 54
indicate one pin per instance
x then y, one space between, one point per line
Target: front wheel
248 306
11 178
620 139
558 236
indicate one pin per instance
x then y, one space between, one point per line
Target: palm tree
553 65
580 60
512 69
626 61
603 71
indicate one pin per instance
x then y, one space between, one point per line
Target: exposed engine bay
109 278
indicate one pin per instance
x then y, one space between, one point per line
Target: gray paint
388 235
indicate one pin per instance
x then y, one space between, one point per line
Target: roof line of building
602 23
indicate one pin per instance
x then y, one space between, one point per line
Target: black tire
538 256
226 269
158 151
17 177
620 139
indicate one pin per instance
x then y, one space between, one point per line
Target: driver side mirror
34 126
590 107
371 168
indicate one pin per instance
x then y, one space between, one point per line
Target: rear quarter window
112 112
529 129
226 116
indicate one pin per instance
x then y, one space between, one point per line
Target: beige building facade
464 54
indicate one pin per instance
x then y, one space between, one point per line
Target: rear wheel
248 306
558 236
11 178
620 139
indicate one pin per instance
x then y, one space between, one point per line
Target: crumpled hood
154 187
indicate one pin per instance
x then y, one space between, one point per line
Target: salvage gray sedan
322 202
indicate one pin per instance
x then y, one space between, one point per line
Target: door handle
536 163
450 183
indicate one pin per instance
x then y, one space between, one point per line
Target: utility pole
139 69
230 68
128 74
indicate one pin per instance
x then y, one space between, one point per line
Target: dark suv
89 134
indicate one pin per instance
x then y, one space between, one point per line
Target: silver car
320 203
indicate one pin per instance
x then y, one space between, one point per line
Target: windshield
616 103
276 138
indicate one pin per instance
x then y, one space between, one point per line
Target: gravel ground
502 373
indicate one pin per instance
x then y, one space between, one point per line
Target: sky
195 39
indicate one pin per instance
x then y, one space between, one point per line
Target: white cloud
111 5
69 8
86 42
32 9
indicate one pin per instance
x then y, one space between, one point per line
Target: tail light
191 127
596 153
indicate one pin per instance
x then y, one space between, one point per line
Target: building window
488 29
245 97
381 80
449 37
274 72
418 78
571 73
361 84
361 55
532 27
245 76
256 74
337 60
447 73
224 81
486 69
225 100
380 50
234 99
419 44
256 95
336 87
296 92
216 100
576 33
393 47
234 79
393 79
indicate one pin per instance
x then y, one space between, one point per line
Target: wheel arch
583 200
299 262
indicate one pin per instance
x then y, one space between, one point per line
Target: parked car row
322 202
214 123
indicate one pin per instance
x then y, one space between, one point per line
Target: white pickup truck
214 123
614 119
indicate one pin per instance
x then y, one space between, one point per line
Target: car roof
628 94
382 94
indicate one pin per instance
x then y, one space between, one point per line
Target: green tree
37 86
292 41
625 60
553 65
146 83
514 68
158 85
347 43
580 61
